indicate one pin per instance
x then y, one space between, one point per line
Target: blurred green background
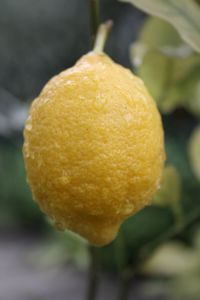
159 248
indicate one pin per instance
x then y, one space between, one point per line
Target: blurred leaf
183 15
169 193
63 248
169 38
194 88
194 151
187 88
136 231
197 242
174 82
145 226
171 259
157 35
157 78
186 286
120 251
48 254
16 200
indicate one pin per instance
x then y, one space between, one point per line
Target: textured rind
93 148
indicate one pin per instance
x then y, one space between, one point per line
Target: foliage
59 249
16 206
181 265
184 15
169 193
171 259
174 82
194 151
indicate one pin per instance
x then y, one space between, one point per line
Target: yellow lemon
93 148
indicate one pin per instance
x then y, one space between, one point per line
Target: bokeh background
157 252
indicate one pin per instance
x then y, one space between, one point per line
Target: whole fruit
93 148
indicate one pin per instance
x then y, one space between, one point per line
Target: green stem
92 286
94 18
102 34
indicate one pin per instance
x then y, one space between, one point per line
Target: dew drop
128 117
29 127
69 82
59 226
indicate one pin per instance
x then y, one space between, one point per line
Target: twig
92 286
94 18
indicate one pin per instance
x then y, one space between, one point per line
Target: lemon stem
102 34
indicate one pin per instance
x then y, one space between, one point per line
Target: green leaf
184 15
136 232
157 33
159 80
63 247
194 151
186 287
16 202
169 193
168 260
175 81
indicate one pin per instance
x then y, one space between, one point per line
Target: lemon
93 148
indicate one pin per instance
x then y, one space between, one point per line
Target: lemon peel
93 148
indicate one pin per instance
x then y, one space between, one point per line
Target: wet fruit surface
93 148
